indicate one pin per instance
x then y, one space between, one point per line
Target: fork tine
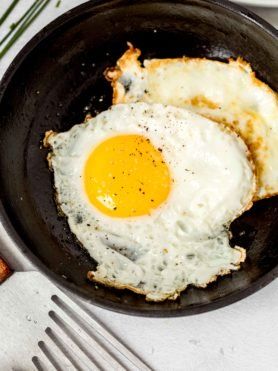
38 364
73 341
69 348
55 358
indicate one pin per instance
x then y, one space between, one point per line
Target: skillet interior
59 75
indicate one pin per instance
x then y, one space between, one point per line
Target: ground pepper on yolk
126 176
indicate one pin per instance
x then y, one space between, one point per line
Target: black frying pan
60 72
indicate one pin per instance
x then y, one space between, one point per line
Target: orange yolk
126 176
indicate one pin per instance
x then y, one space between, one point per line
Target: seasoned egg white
228 93
150 192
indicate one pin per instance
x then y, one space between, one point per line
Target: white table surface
242 336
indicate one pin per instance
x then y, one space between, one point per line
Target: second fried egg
228 93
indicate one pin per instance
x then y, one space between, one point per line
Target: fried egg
228 93
150 192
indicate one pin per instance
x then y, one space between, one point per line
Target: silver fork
77 341
43 329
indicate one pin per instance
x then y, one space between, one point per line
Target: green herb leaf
23 23
8 11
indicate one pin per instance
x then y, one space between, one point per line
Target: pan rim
15 237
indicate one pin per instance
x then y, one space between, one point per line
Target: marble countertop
242 336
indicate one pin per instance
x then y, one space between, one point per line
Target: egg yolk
126 176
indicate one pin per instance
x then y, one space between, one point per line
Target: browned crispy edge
172 296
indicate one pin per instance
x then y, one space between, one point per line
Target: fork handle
5 270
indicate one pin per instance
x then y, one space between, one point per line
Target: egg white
185 240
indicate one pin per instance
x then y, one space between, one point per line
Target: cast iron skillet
58 76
